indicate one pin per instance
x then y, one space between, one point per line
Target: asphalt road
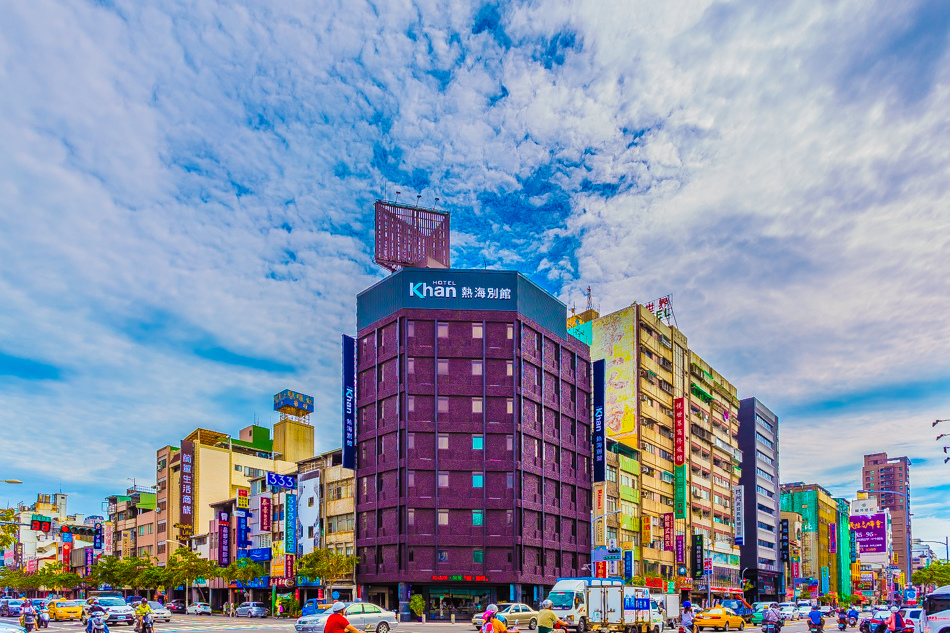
199 624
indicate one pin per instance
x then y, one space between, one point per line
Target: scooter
842 623
852 622
148 624
29 622
98 621
43 621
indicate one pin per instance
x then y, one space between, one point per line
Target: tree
8 533
153 578
185 567
937 574
107 571
327 565
131 569
243 570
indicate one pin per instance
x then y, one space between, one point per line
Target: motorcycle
147 624
29 622
852 622
98 621
43 621
842 623
815 628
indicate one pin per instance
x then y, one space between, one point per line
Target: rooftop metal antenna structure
590 299
411 237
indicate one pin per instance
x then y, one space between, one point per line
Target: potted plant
417 605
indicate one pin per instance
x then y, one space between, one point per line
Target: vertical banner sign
600 570
67 550
600 439
680 548
187 505
349 402
97 536
126 544
680 479
290 524
738 503
242 532
288 565
784 537
854 547
668 532
242 501
224 539
697 562
266 514
825 576
628 565
832 538
646 530
88 561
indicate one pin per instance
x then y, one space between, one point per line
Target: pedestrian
687 617
547 619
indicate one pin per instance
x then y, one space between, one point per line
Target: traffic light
78 530
40 523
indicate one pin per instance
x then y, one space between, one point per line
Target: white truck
671 608
622 609
569 598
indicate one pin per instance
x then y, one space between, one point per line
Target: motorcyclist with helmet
814 618
94 608
547 619
140 610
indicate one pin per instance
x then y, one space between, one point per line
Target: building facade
887 479
761 548
689 466
473 445
825 555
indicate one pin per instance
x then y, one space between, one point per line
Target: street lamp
945 543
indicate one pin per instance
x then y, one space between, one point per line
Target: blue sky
186 205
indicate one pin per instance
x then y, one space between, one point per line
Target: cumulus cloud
186 194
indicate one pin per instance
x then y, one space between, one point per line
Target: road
197 624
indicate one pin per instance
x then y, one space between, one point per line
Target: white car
119 612
362 615
912 615
161 613
199 608
803 611
789 614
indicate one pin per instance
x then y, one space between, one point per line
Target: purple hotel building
473 449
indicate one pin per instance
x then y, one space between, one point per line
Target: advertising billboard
290 524
242 502
186 490
349 402
277 559
614 341
870 532
668 535
679 431
697 556
680 548
832 538
599 437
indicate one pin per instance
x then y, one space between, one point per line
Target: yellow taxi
64 610
719 618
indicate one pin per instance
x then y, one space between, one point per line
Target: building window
411 516
411 441
443 367
411 478
443 479
443 330
478 480
510 368
411 404
761 473
476 368
477 331
511 481
411 328
478 442
443 555
478 517
443 441
443 517
476 405
443 404
510 331
238 468
764 440
509 443
411 365
510 403
478 556
611 473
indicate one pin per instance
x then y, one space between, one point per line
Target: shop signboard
599 430
349 402
242 502
697 557
784 540
738 506
266 514
290 524
186 489
680 548
668 535
224 538
832 538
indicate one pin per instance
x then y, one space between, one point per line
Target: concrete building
823 548
922 555
473 446
167 501
761 548
327 516
131 516
36 549
888 480
871 524
651 373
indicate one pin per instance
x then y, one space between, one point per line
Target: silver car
362 615
161 613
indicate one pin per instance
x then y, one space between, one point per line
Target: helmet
337 607
774 604
894 609
492 608
144 601
547 604
687 604
95 601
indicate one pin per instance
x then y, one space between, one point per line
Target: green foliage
936 575
131 569
107 571
153 577
8 532
243 570
291 606
327 565
185 567
417 604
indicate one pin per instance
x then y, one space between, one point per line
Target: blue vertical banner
97 536
628 565
825 577
290 523
349 402
599 431
243 537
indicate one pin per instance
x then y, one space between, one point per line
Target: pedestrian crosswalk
190 625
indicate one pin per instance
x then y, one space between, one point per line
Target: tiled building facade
473 455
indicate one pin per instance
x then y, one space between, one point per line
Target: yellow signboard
614 340
277 559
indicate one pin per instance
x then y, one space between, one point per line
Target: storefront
442 602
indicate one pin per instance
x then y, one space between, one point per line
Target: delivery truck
569 598
620 609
